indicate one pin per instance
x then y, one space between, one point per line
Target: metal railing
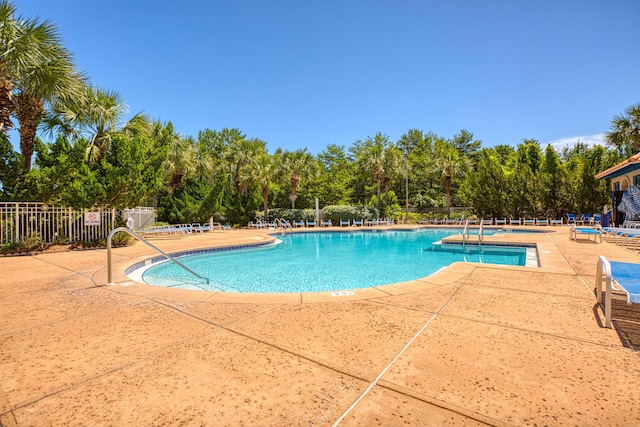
167 256
465 233
481 231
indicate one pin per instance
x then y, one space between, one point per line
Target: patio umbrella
630 203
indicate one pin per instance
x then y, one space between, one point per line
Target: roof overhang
623 168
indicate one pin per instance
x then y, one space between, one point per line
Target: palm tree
238 156
20 48
35 69
625 131
370 157
393 166
449 163
296 164
260 172
97 115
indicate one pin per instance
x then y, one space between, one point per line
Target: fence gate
21 221
142 217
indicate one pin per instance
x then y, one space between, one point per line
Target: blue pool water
327 261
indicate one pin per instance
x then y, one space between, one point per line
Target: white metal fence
20 221
142 217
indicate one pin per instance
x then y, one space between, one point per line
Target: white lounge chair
627 278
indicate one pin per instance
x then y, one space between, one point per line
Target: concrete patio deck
475 344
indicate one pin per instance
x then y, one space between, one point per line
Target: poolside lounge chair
216 226
627 237
596 219
542 221
573 235
487 222
298 223
325 223
344 222
311 223
627 278
161 231
529 221
501 221
556 221
587 219
571 219
514 221
357 223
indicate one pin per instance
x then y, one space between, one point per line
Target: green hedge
335 213
290 215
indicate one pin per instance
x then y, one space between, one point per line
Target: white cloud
590 140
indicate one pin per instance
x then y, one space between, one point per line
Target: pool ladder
160 251
466 233
283 224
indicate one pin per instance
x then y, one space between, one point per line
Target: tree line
88 154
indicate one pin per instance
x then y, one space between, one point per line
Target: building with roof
623 175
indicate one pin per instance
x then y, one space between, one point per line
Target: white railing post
17 235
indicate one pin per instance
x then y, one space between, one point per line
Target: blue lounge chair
344 222
596 219
626 276
571 219
573 235
542 221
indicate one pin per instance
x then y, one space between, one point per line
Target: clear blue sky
308 73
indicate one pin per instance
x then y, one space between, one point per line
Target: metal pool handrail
465 233
137 236
481 232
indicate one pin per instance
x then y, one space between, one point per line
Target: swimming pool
327 261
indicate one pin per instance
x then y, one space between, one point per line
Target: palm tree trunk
30 112
6 105
294 187
265 203
447 190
